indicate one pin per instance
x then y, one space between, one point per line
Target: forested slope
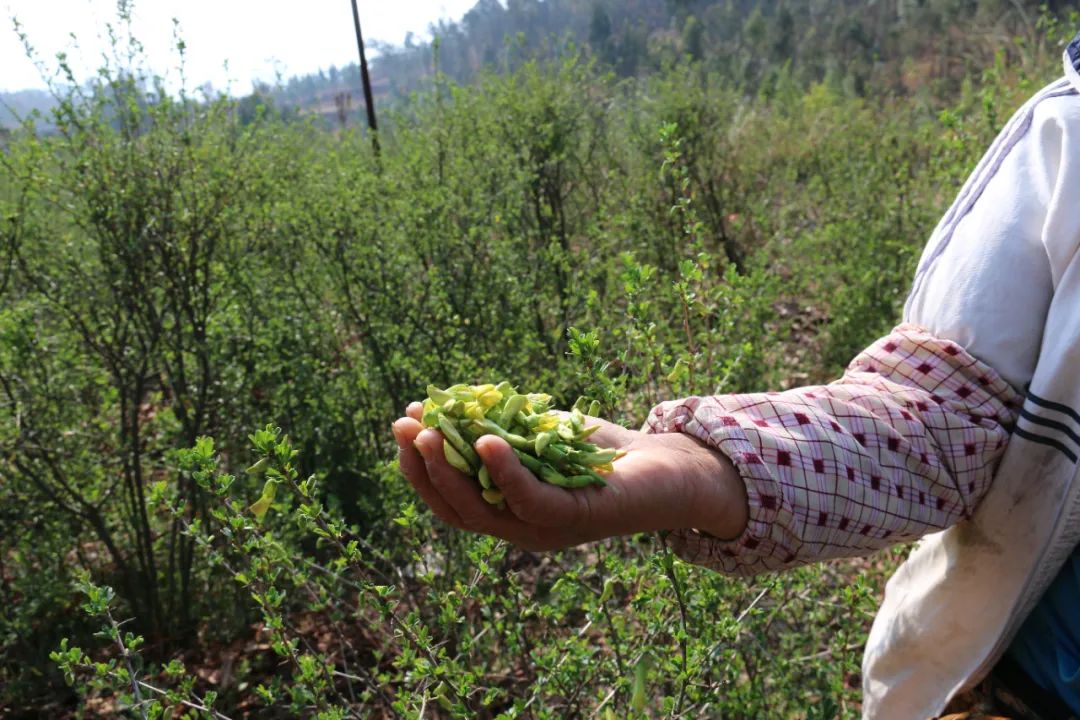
925 48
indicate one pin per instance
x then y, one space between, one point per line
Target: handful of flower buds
551 445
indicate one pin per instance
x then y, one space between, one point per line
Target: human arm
904 444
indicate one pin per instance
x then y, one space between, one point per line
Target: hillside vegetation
191 285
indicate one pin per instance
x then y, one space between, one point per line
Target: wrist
716 493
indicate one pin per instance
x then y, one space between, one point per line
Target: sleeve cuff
752 551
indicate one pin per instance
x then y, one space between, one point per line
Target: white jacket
1001 277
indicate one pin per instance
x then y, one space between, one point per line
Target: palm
539 516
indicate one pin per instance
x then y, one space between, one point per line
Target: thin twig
605 701
125 653
750 607
185 703
669 569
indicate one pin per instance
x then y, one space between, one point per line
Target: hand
664 482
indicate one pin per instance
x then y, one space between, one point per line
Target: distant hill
19 104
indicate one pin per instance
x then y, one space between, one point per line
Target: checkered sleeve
905 443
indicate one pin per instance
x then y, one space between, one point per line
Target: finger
405 431
522 536
414 469
462 493
531 500
415 411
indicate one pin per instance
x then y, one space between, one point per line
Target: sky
257 40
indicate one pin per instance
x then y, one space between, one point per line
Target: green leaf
263 504
638 696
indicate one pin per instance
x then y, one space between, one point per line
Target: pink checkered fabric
904 444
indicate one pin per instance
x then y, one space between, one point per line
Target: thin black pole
369 101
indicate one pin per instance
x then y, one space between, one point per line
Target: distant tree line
893 47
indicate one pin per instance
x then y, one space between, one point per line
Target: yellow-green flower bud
454 458
438 396
510 409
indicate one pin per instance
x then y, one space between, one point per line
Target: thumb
527 497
